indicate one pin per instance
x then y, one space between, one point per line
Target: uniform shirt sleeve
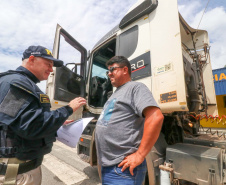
28 118
142 98
36 123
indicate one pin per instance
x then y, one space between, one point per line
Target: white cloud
189 9
28 22
214 21
8 62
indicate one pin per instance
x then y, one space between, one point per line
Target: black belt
8 151
23 167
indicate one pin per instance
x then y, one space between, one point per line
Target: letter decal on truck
141 66
168 97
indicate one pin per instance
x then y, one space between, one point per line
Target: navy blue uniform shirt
26 110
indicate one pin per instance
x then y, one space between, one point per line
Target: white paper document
70 134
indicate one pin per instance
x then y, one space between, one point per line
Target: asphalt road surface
63 166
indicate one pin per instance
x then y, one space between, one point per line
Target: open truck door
67 82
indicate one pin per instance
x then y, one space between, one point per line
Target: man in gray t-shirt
128 127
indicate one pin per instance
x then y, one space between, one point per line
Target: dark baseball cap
40 51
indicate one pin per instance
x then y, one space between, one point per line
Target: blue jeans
112 175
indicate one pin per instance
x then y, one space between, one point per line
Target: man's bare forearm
152 127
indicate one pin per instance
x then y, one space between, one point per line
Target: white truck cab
172 60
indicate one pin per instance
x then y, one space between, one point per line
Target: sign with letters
219 78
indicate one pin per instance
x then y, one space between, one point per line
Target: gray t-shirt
119 129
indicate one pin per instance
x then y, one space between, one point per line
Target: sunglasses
111 69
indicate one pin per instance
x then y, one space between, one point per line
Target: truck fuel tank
202 165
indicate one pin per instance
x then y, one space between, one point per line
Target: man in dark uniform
27 126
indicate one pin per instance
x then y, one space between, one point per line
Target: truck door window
70 78
70 56
127 42
101 86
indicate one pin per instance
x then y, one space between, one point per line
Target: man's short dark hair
121 60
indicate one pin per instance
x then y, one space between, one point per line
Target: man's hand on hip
131 161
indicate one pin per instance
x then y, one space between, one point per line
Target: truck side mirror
74 67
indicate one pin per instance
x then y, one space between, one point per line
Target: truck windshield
99 71
100 86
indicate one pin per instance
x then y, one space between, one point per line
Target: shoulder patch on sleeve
44 98
13 102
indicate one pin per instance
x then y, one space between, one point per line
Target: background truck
172 60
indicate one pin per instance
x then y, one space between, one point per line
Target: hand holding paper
68 121
70 133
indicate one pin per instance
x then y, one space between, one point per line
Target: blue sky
29 22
